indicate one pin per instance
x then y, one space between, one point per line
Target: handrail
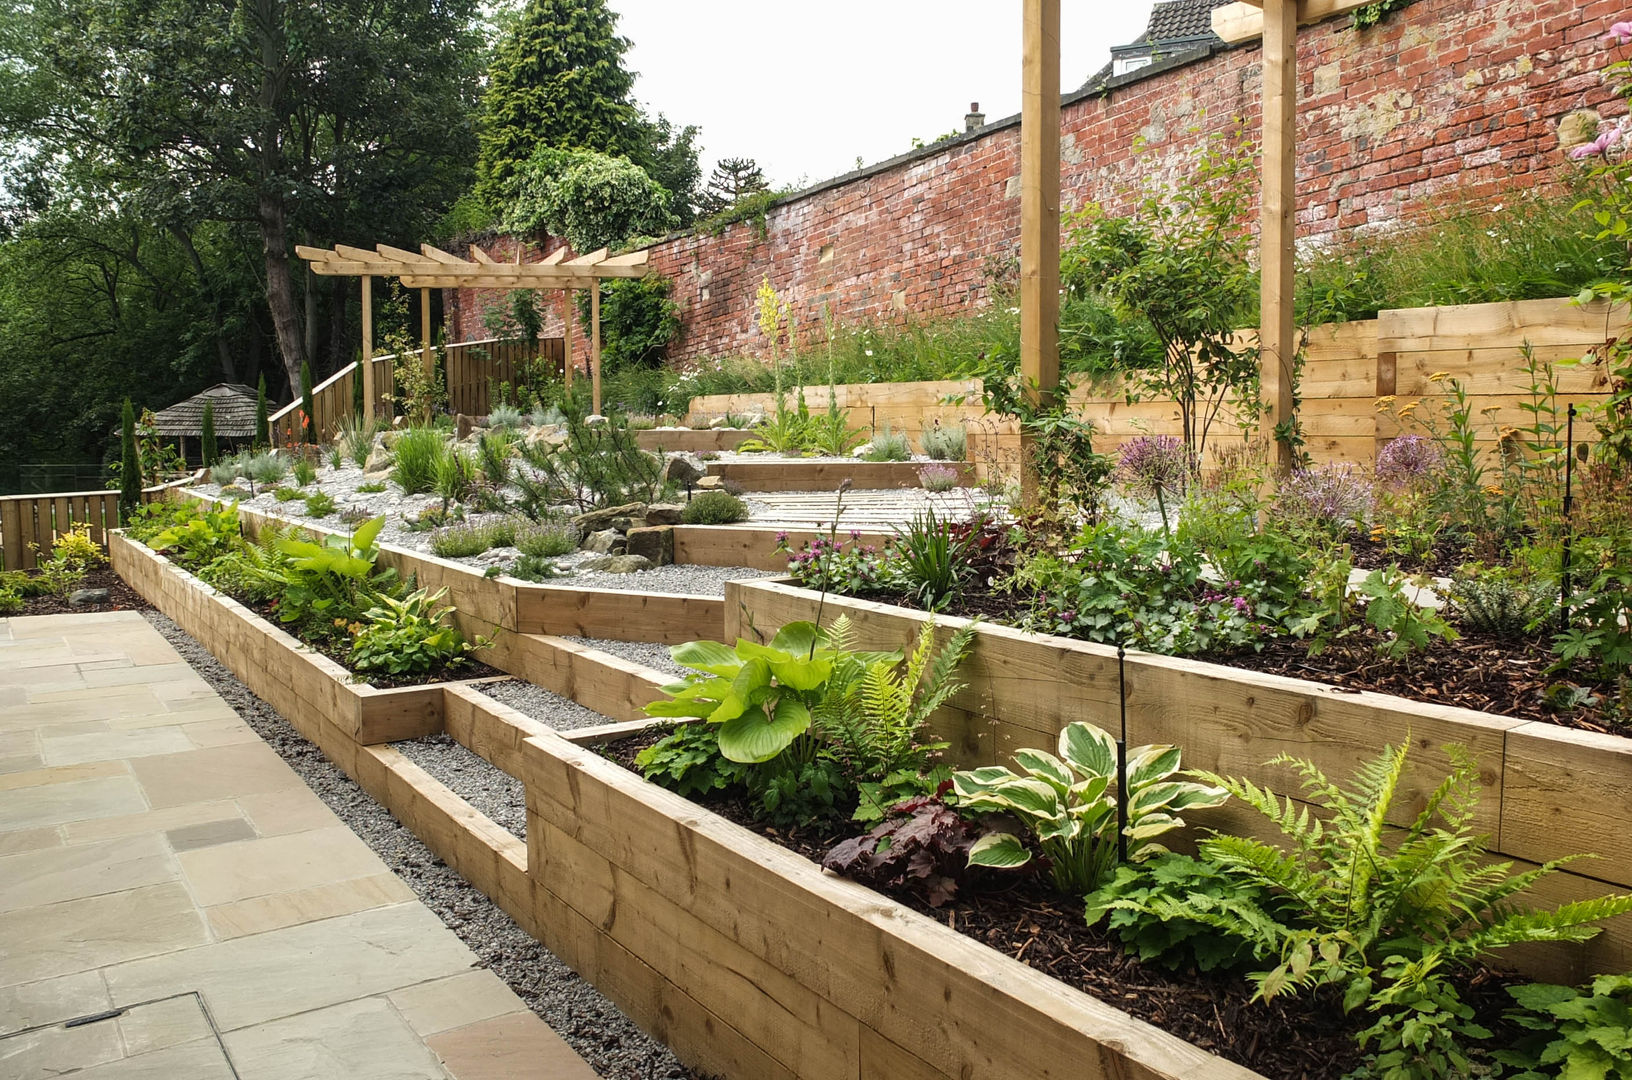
349 368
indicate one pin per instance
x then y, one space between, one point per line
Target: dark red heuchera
922 846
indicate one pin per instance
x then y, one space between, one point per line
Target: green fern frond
1291 817
1266 865
941 683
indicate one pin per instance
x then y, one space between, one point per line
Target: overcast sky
804 89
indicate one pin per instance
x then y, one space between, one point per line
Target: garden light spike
1569 505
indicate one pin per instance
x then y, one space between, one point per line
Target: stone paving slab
156 857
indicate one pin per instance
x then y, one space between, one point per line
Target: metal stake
1122 757
1569 505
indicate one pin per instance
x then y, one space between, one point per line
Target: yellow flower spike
1409 408
1385 403
1439 376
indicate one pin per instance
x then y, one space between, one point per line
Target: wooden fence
1348 368
469 368
30 524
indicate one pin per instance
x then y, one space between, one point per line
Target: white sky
804 89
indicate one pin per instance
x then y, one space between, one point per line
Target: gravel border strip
562 714
607 1039
639 652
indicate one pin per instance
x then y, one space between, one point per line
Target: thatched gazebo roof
234 413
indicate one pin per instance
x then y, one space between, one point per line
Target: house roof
234 406
1181 20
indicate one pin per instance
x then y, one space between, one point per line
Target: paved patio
163 871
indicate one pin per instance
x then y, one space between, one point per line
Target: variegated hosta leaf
1149 764
1045 766
1090 750
1175 796
973 782
1092 789
1025 796
999 849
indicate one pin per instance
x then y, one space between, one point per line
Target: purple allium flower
1408 461
1153 465
1331 496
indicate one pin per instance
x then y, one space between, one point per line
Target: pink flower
1622 33
1607 138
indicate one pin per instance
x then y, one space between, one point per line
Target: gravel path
562 714
641 652
688 579
498 795
609 1041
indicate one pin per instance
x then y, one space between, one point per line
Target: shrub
263 428
1589 1032
373 487
319 504
416 454
208 447
504 417
305 472
938 478
224 473
11 597
267 468
548 538
947 443
130 464
887 446
534 568
714 508
930 562
356 440
454 475
501 532
495 455
288 494
460 541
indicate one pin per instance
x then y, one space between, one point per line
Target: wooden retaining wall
1349 366
469 369
1546 792
785 475
748 960
705 441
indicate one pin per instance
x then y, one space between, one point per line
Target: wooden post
567 321
595 345
367 374
425 327
1278 200
1039 217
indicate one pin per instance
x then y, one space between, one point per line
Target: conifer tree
130 465
731 179
557 79
263 429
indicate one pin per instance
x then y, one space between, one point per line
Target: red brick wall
1447 98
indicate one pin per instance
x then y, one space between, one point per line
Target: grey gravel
688 579
498 795
640 652
562 714
607 1039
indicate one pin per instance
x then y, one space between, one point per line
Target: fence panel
30 524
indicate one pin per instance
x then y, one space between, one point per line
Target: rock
87 597
233 491
664 514
594 420
605 542
656 545
717 423
719 483
379 461
388 439
617 564
600 519
684 469
624 524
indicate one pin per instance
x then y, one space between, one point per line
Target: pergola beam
1240 22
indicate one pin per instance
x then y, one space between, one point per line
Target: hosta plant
1069 805
410 636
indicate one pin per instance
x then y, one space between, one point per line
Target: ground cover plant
328 591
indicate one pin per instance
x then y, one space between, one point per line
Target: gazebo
234 407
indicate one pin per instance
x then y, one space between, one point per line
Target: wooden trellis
433 268
1277 22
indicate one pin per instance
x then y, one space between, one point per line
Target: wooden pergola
1277 22
433 268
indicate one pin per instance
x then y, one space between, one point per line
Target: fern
1362 896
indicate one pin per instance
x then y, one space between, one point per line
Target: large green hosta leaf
759 735
709 656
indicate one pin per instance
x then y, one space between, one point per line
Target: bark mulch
121 597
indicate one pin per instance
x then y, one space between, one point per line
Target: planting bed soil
121 597
607 1039
1020 916
1481 672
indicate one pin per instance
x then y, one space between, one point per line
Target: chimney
975 120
